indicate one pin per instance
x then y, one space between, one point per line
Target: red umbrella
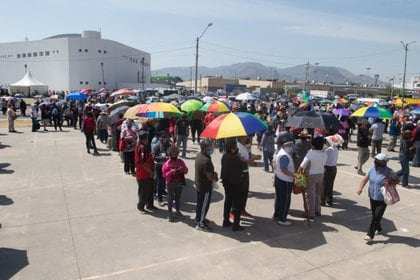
123 91
86 90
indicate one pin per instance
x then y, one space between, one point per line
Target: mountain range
254 70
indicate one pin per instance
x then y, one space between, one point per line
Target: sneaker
367 238
142 211
285 223
202 227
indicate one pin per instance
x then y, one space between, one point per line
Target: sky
352 34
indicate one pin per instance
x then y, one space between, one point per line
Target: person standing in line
144 173
315 159
362 145
394 132
377 176
11 117
196 125
174 170
377 130
302 146
406 147
159 152
249 159
102 127
232 176
22 106
284 169
330 168
129 137
204 178
34 117
45 116
88 124
56 116
181 131
267 146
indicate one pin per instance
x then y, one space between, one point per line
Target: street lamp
196 56
102 70
367 76
142 73
405 45
316 70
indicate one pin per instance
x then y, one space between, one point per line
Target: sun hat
334 140
381 157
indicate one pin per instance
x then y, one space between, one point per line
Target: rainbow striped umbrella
233 125
340 101
215 107
372 112
158 110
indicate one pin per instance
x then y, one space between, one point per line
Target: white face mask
289 147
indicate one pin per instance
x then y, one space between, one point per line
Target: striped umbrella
215 107
372 112
233 125
158 110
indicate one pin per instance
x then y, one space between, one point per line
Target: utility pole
405 45
196 56
306 75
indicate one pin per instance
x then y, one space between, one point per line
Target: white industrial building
70 62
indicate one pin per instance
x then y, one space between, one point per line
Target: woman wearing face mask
377 176
130 138
284 168
174 170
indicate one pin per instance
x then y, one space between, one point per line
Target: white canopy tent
28 85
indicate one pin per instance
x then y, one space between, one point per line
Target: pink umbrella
102 90
86 90
123 91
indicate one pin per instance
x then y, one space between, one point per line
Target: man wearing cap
144 173
204 178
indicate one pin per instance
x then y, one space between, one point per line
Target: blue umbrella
415 111
76 96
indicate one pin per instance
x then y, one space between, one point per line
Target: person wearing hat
313 165
302 146
377 175
330 168
284 169
144 173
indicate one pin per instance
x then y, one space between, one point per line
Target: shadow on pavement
395 239
5 171
12 261
4 200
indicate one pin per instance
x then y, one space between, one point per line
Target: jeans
34 122
174 193
376 146
328 182
378 209
182 139
103 135
405 169
267 158
283 198
203 205
129 165
160 182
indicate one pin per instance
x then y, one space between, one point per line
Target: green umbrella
191 105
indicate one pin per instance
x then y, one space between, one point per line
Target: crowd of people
153 151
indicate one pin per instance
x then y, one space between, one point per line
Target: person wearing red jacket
89 128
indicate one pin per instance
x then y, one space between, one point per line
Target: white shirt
243 151
317 158
332 156
290 166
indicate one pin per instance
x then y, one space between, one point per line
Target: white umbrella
207 99
245 96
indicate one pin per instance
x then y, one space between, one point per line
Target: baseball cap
381 157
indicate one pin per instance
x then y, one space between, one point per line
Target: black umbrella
312 119
12 261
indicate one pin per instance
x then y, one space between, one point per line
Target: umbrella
76 96
312 119
372 112
54 96
340 101
341 112
233 125
19 95
224 99
86 90
119 104
102 90
191 105
245 96
158 110
114 115
415 111
207 99
123 91
216 107
131 112
304 99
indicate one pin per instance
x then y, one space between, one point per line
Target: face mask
210 151
379 165
289 147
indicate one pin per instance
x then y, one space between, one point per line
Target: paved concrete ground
67 214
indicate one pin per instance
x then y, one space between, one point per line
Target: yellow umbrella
131 113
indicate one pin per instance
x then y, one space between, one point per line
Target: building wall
74 63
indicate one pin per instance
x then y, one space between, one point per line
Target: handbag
121 145
389 191
300 183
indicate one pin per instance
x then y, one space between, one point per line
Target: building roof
69 35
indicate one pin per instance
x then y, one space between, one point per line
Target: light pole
26 68
405 45
102 70
196 56
367 76
391 87
142 73
316 70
